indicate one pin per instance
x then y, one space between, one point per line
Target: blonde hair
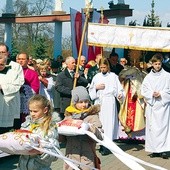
92 63
42 66
45 103
47 61
105 62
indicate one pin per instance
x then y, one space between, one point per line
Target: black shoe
153 155
105 151
164 155
100 149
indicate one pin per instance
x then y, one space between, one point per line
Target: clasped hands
156 94
100 86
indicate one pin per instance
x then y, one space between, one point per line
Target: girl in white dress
104 89
46 82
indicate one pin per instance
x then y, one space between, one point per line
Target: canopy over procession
91 99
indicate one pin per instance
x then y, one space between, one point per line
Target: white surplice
157 111
107 99
11 83
47 91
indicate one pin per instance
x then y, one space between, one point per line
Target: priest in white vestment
156 91
104 89
11 79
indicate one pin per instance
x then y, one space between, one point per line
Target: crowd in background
113 84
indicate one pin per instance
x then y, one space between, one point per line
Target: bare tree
1 32
26 35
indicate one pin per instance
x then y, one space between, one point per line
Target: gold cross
101 14
131 36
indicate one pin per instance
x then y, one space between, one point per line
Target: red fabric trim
91 55
98 50
23 131
78 30
131 110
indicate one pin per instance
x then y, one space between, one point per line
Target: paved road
109 162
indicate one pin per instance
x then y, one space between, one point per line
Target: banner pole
102 17
81 44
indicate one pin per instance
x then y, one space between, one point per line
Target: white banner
129 37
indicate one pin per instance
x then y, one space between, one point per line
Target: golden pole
81 44
102 17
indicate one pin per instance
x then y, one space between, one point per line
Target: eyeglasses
3 52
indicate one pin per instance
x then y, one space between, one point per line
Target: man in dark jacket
94 69
65 81
114 65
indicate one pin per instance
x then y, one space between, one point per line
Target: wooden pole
102 17
81 45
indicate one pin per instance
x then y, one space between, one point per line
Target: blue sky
141 9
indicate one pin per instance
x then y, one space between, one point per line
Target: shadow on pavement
126 145
13 161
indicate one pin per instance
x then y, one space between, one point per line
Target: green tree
151 19
14 51
132 23
168 24
40 48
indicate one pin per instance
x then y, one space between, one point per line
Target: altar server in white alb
11 80
104 89
156 91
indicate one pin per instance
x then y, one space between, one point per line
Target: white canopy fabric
129 37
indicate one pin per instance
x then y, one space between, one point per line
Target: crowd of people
109 94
